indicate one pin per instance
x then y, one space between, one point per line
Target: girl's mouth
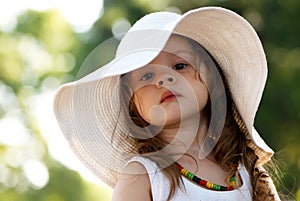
168 96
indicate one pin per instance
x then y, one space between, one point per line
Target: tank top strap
245 178
160 186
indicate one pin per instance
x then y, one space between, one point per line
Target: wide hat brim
88 110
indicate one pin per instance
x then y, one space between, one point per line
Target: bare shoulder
134 184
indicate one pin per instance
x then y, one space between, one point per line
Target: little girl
171 117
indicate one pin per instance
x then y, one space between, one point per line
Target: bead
190 175
209 185
179 166
223 188
203 182
230 188
196 179
217 187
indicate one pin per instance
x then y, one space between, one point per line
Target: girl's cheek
139 105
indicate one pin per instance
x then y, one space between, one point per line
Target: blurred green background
41 50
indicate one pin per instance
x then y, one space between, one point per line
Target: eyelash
177 67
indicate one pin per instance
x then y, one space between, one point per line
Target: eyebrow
183 51
184 54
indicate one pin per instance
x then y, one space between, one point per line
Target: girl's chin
170 114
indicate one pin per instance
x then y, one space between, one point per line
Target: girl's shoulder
160 186
155 174
133 184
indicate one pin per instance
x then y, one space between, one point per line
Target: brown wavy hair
230 150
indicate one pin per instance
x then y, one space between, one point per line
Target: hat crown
140 33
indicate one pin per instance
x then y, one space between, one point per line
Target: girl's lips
168 96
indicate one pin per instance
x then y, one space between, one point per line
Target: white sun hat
88 110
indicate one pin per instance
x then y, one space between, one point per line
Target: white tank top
160 186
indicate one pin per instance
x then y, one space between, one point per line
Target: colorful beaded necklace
205 183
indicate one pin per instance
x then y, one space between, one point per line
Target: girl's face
169 90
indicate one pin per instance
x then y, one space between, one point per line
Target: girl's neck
186 137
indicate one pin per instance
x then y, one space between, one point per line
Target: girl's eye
179 66
147 76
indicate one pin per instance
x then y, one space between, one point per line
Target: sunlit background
43 44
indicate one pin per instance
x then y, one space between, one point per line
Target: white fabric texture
160 186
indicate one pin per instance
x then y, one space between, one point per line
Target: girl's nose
165 79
